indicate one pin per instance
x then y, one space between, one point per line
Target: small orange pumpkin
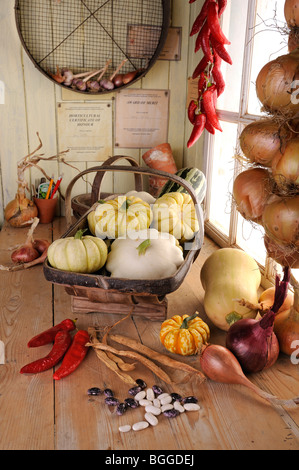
185 334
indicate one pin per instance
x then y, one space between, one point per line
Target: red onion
253 342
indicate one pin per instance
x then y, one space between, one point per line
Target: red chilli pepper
217 74
61 344
197 130
222 4
193 106
221 51
200 19
200 67
208 125
202 82
74 355
209 106
48 336
214 25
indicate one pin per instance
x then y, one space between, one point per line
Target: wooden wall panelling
13 114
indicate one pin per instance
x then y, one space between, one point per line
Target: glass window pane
222 176
250 238
269 43
234 27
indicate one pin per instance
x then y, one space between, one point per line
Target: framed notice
172 46
141 118
86 130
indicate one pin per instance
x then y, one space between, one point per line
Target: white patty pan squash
81 254
229 275
175 213
147 254
115 217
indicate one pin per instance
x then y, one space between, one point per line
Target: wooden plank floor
37 413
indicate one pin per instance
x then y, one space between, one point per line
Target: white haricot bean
166 400
191 406
124 428
153 409
140 395
145 402
140 425
156 403
178 406
150 394
163 395
150 418
166 407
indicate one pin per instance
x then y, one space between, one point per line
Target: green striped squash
194 177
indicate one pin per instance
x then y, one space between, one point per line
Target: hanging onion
281 221
253 342
251 190
277 87
291 13
285 166
293 40
261 140
286 325
285 255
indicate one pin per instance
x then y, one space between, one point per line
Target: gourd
143 195
227 276
147 254
117 216
184 334
175 213
81 254
194 177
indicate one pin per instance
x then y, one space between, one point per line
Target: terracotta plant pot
46 209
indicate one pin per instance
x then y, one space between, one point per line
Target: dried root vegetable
106 360
133 355
154 355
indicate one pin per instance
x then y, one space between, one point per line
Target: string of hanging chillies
212 41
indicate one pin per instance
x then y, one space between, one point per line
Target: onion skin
285 165
286 326
274 85
287 255
281 221
24 254
267 300
251 191
291 13
20 212
261 140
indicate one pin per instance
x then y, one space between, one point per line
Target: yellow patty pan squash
116 217
147 254
184 334
175 213
81 254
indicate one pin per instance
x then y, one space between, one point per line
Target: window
254 28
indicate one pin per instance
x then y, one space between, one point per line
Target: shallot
254 342
26 252
220 365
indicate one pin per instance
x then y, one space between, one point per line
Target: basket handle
144 171
100 175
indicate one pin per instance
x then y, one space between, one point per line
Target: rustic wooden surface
37 413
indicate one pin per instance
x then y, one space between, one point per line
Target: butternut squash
229 275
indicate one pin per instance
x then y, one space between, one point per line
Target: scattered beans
178 407
131 403
150 395
121 408
151 419
141 383
189 400
166 407
140 425
94 391
125 428
108 392
144 402
157 390
163 395
111 401
176 397
156 403
171 413
140 395
153 409
191 406
134 390
166 400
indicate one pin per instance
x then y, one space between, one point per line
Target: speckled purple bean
108 392
141 383
157 390
171 413
189 400
121 408
134 390
111 401
131 403
94 391
175 397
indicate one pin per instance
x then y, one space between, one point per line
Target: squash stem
185 322
79 234
143 246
